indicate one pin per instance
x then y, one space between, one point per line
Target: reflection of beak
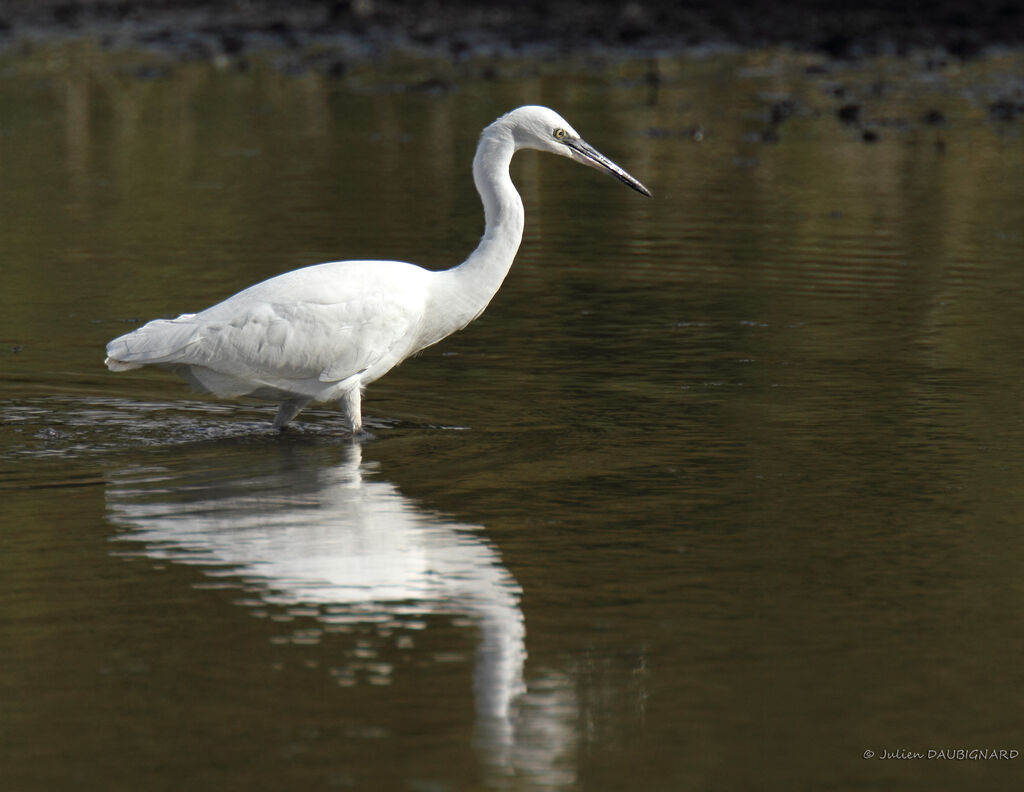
588 155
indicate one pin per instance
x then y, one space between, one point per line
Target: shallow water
722 491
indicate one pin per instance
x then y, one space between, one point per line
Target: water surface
722 491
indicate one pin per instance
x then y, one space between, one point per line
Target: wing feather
300 332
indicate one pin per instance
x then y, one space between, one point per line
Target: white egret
325 332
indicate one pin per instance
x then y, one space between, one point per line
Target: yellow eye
560 134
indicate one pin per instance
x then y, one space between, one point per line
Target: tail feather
119 365
159 341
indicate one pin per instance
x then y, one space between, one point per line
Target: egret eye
560 134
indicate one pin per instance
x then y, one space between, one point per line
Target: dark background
838 29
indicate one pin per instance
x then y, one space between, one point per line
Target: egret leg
287 411
351 405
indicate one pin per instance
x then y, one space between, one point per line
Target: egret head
543 129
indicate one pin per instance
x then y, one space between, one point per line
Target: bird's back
307 332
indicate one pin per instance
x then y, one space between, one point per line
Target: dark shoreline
364 29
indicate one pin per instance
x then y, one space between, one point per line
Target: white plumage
324 332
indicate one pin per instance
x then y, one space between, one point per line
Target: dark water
724 490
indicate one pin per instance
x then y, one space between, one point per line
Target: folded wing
295 335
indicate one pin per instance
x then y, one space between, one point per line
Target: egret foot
351 405
287 411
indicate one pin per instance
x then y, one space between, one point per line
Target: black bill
588 155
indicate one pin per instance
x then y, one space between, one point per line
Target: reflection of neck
498 677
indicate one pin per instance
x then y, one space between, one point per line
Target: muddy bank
359 29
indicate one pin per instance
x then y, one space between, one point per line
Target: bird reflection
352 545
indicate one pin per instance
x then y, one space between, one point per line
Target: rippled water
722 491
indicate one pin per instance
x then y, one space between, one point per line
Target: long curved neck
468 288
